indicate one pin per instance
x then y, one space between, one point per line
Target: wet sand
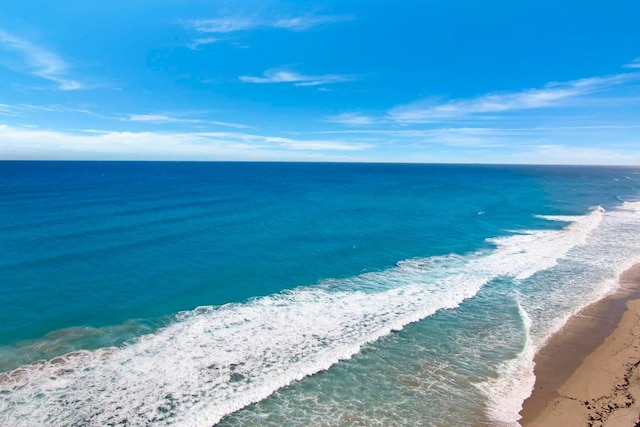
589 373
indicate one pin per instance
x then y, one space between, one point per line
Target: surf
214 360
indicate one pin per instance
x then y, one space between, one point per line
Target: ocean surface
297 294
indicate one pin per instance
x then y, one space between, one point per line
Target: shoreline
588 373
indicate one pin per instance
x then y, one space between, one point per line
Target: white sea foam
215 360
579 219
588 273
631 206
537 244
514 382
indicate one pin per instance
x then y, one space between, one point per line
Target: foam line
515 380
588 273
213 361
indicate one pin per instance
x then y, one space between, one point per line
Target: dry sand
589 373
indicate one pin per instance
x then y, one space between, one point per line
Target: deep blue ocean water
295 293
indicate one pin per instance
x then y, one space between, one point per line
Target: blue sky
490 81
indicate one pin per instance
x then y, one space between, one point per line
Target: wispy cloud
300 23
224 25
352 119
279 75
185 118
633 64
7 110
314 144
445 136
478 130
40 62
559 154
551 95
164 118
61 109
233 24
26 143
156 118
197 43
27 110
535 144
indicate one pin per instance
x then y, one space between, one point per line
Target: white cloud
226 124
633 64
305 22
41 62
448 136
318 145
163 118
564 154
352 119
480 130
224 25
606 145
155 118
279 75
291 143
7 110
233 24
26 143
551 95
25 110
195 45
533 145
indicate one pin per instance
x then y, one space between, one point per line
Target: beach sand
589 373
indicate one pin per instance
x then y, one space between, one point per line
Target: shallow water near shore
322 294
583 337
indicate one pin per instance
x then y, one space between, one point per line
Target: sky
437 81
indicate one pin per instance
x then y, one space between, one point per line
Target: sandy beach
589 373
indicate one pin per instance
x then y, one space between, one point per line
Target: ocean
297 294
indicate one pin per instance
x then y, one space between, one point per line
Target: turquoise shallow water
295 294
